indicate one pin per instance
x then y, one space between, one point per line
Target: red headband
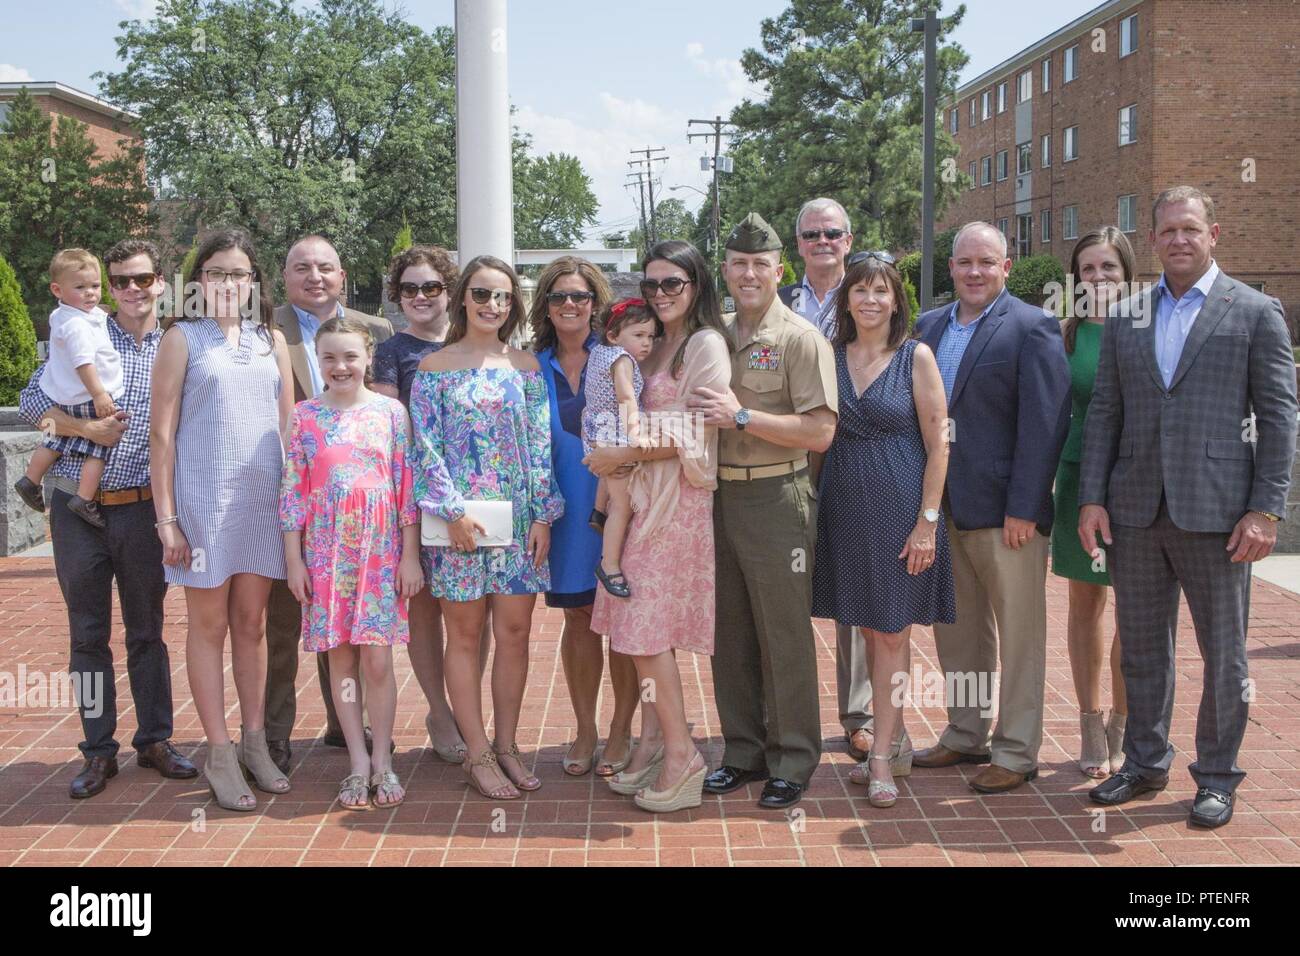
617 310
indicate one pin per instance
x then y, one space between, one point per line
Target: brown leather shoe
281 754
167 760
941 756
93 777
860 744
995 779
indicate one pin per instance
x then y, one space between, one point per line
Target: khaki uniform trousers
765 656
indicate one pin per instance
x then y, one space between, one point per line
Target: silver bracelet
162 521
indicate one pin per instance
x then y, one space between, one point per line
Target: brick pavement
144 820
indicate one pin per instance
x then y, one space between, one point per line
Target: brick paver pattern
142 819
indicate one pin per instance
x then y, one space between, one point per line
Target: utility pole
719 164
930 27
639 179
648 172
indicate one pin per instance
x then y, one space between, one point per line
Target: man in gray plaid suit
1187 457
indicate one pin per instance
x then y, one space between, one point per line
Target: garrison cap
753 234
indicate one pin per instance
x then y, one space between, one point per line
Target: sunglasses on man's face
559 298
431 289
812 235
670 287
144 280
499 296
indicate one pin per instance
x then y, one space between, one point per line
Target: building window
1024 234
952 120
972 112
971 171
1071 64
1002 164
1046 150
1024 86
1070 222
1128 120
1023 159
1046 229
986 170
1002 228
1128 213
1002 97
1071 144
1047 74
986 104
1128 35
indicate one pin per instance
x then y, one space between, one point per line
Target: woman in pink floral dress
351 542
669 549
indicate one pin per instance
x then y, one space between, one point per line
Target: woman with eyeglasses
220 408
669 549
570 293
419 281
482 434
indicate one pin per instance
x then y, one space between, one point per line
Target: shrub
17 338
1031 275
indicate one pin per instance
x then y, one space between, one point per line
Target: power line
719 164
647 172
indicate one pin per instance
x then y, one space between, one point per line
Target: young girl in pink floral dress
352 548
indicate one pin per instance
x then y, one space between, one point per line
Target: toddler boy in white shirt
83 376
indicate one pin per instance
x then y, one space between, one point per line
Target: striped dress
228 457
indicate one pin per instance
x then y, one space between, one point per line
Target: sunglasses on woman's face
879 255
559 298
144 280
431 290
499 296
671 287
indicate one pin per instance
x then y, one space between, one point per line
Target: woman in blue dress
882 561
570 292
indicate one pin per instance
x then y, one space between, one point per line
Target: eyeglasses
671 287
142 281
499 296
878 254
812 235
431 289
559 298
218 276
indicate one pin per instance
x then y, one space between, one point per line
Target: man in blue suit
1004 369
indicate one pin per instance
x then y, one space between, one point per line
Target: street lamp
691 188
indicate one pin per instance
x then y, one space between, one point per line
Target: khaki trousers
852 678
1001 618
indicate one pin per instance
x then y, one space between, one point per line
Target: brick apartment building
1085 127
106 124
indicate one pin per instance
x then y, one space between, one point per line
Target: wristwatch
1268 514
742 419
931 515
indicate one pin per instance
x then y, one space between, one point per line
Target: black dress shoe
281 753
93 777
335 738
779 794
1123 786
167 760
1211 808
727 779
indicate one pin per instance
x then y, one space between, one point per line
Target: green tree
672 221
553 199
1030 277
17 338
55 192
842 117
403 241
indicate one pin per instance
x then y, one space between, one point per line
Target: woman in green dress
1102 260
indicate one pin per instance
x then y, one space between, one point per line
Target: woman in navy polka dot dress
882 560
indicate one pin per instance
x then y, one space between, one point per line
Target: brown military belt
125 496
729 473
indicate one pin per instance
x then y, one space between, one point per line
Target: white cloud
727 76
13 74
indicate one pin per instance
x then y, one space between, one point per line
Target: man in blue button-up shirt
127 550
1004 370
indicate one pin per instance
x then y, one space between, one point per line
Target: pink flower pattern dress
671 571
347 487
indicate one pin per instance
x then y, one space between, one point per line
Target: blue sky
595 78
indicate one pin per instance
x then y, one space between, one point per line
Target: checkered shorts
75 444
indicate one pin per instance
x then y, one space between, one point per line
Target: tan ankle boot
224 779
257 763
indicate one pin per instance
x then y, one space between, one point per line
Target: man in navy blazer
1004 369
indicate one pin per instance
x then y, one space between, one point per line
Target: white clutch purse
496 516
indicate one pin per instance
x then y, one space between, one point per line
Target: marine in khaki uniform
782 404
